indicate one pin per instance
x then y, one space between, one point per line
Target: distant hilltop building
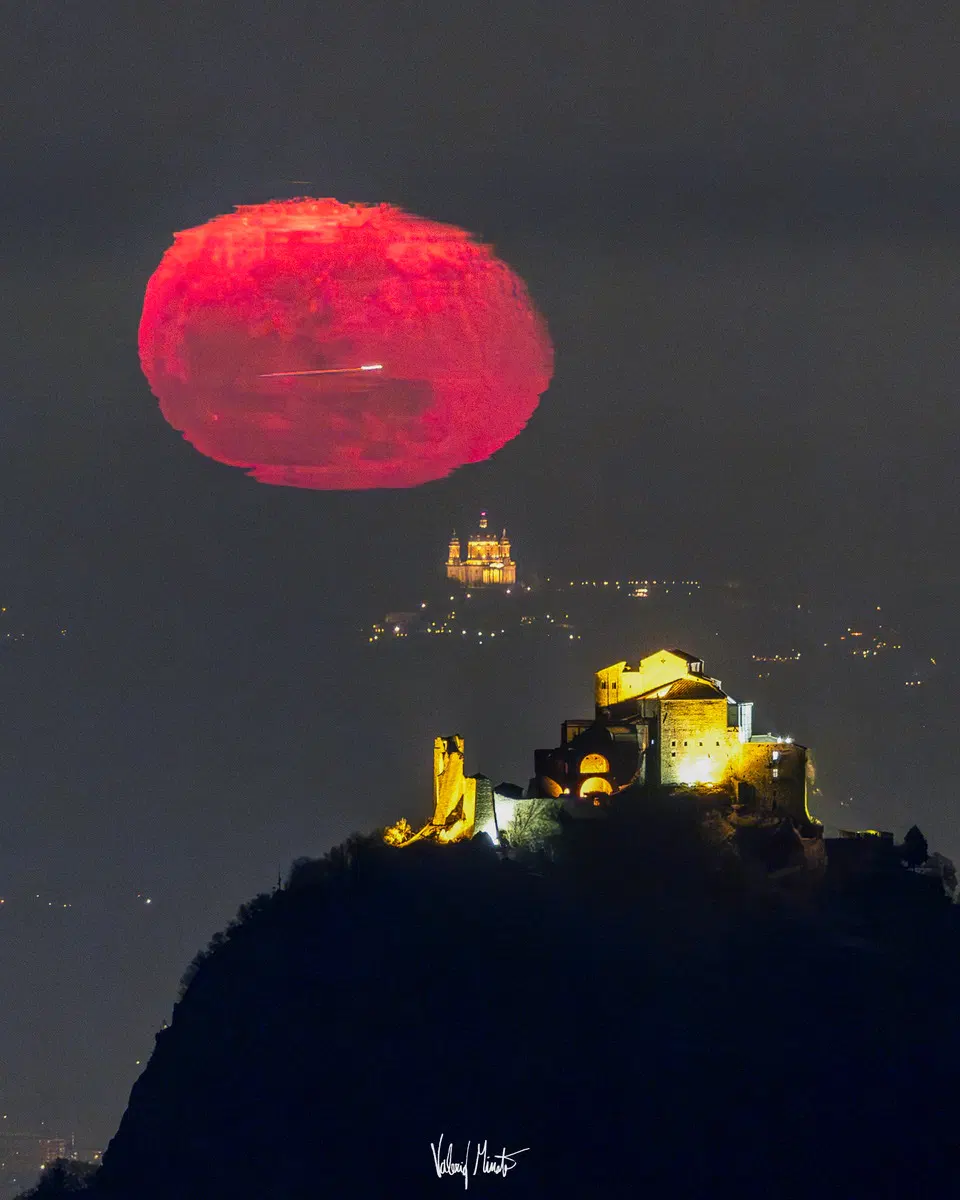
487 562
658 724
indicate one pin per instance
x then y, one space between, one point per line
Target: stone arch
590 787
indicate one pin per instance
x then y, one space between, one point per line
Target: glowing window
594 764
590 787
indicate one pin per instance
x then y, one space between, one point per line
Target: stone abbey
659 724
663 723
487 562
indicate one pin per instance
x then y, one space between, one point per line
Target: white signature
483 1163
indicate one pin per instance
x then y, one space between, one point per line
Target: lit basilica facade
488 561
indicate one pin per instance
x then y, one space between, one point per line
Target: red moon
328 345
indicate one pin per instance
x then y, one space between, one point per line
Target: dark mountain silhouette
640 1006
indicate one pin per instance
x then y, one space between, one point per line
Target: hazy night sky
744 236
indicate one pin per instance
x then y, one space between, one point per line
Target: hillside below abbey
659 872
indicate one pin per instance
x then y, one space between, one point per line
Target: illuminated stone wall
460 802
454 796
777 774
696 744
483 817
612 685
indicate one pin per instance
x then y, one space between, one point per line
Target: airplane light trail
325 371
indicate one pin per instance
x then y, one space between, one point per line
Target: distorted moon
338 346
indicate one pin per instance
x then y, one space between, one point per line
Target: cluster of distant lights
523 587
69 904
46 1139
443 629
877 646
19 637
450 625
870 650
639 587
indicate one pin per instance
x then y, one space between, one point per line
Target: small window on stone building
673 754
684 743
776 772
673 742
